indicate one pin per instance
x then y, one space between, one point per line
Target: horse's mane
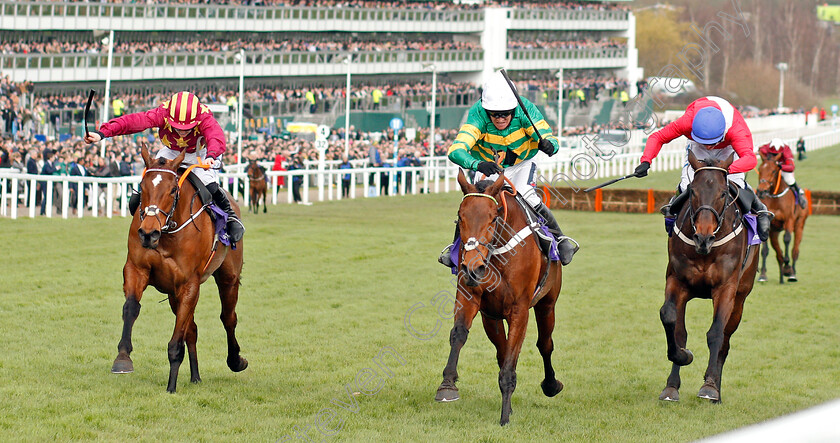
160 161
483 184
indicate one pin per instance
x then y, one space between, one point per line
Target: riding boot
763 216
446 255
672 209
235 228
566 246
800 198
134 202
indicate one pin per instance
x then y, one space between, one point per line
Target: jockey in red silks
775 147
714 129
184 124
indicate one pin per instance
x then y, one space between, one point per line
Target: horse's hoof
709 392
793 279
195 380
670 393
122 366
551 389
446 394
762 278
238 365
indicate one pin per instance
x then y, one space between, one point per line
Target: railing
92 67
109 195
570 15
30 15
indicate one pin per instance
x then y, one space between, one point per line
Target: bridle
775 193
472 242
155 211
692 214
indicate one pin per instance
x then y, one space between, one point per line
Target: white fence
108 196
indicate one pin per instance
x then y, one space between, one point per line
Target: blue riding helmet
708 126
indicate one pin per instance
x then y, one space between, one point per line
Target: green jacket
479 138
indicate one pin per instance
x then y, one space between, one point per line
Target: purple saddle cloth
221 224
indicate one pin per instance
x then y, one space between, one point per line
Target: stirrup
445 257
665 210
765 212
560 240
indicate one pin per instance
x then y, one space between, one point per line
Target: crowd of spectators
53 45
380 4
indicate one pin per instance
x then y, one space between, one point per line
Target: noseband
155 211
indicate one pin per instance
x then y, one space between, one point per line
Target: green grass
817 172
326 288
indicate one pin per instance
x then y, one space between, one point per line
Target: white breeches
206 176
702 153
523 177
788 178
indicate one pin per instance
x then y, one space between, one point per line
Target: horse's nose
703 243
149 240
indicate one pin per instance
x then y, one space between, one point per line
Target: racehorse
502 286
790 217
173 247
717 263
258 186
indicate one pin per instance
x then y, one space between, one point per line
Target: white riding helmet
497 95
776 143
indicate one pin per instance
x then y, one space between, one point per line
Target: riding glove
489 168
215 163
546 147
642 169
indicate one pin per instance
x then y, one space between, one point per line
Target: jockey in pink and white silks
715 130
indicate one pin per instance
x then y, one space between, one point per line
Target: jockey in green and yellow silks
497 124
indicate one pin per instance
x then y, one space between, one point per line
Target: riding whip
87 110
609 182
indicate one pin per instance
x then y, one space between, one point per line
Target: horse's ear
496 186
692 160
177 161
728 161
466 186
144 152
778 157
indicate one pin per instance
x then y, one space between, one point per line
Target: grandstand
161 47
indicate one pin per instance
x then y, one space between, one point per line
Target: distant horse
790 217
502 286
258 186
173 247
717 263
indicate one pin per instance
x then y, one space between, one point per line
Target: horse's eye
174 190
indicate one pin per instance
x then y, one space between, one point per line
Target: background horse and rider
502 285
173 246
258 186
789 217
709 256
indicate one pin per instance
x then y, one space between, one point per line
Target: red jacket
786 162
737 133
206 133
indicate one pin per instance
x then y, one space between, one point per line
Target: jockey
498 124
714 129
775 147
183 124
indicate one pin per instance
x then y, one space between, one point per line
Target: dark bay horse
172 246
501 283
790 217
717 263
258 185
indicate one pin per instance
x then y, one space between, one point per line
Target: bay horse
716 263
258 186
502 286
790 217
173 247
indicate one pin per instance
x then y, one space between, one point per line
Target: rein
169 226
692 214
518 237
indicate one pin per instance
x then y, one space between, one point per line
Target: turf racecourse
326 290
